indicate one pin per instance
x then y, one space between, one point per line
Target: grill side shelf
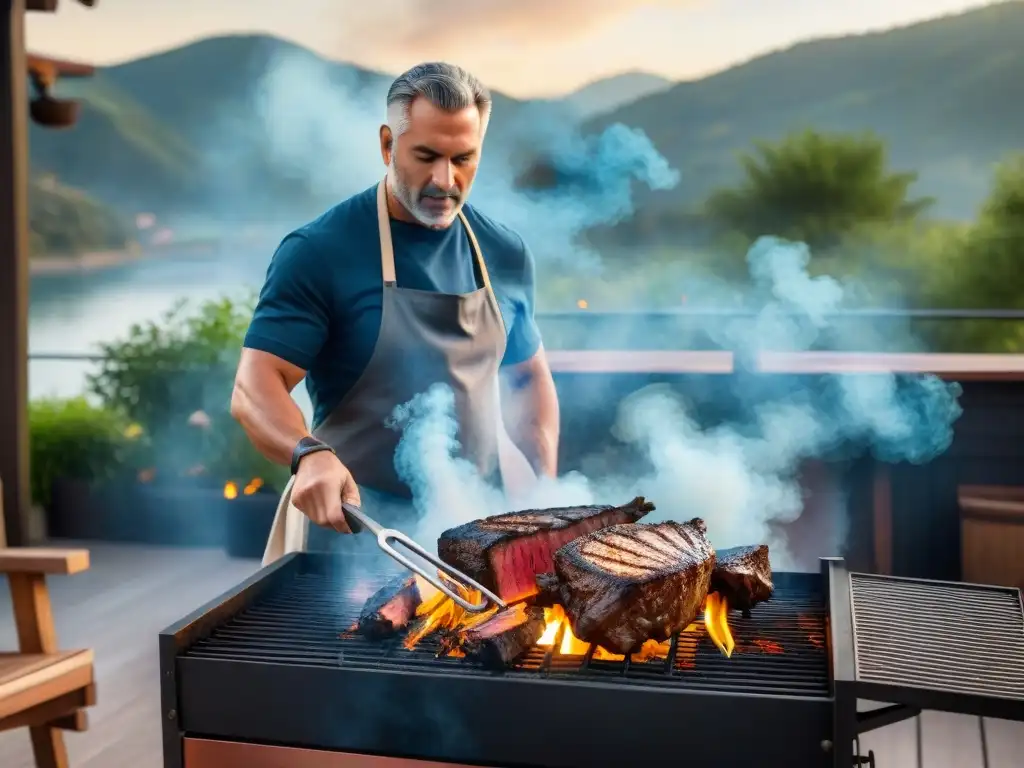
939 645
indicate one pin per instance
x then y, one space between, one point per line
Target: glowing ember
254 485
716 622
813 629
768 646
230 490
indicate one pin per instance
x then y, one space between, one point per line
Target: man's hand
321 485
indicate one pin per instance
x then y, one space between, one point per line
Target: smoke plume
740 476
322 121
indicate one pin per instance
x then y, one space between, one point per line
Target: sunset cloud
423 27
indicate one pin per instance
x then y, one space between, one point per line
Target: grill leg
844 725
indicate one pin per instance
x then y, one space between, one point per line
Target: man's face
433 163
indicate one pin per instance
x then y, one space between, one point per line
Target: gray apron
425 338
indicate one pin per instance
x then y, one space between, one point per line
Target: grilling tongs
358 521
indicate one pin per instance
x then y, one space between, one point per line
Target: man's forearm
535 416
269 416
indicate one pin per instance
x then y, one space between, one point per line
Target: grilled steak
504 637
743 576
390 608
627 584
549 591
506 552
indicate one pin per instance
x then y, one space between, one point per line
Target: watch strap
306 446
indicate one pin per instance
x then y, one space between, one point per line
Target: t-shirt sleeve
524 335
292 319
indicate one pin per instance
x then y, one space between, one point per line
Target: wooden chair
41 688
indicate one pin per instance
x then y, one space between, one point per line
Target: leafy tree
986 271
815 188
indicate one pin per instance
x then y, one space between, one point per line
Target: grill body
267 675
268 663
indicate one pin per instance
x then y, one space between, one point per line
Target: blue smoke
740 476
322 121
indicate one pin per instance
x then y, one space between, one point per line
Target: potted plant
186 475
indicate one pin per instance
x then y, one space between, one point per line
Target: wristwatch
306 446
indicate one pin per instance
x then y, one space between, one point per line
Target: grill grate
779 651
955 638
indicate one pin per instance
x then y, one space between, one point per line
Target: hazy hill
612 92
190 125
184 129
947 94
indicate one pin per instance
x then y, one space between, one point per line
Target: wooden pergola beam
14 280
16 524
49 69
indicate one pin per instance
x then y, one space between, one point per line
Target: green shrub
161 373
76 440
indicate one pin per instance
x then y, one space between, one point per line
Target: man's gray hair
446 86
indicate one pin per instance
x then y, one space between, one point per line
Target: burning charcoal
627 584
504 637
743 576
506 552
390 608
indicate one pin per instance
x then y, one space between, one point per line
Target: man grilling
398 288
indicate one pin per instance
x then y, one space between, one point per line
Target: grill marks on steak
504 637
627 584
390 608
743 576
506 552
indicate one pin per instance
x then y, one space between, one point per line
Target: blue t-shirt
320 307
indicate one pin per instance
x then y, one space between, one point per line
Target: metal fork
358 521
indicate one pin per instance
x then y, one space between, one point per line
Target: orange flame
254 485
438 613
716 622
230 490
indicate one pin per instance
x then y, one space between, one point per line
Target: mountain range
193 126
947 95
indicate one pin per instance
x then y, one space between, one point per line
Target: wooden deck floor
132 592
117 608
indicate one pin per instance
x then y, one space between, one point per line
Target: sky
521 47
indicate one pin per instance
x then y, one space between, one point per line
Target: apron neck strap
387 249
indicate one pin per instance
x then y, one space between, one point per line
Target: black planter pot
185 516
247 524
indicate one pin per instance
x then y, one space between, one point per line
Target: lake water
72 313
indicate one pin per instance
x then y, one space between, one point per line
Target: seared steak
743 576
548 591
390 608
506 552
627 584
504 637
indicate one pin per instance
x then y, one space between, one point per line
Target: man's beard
411 200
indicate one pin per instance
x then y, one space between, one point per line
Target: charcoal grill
266 676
